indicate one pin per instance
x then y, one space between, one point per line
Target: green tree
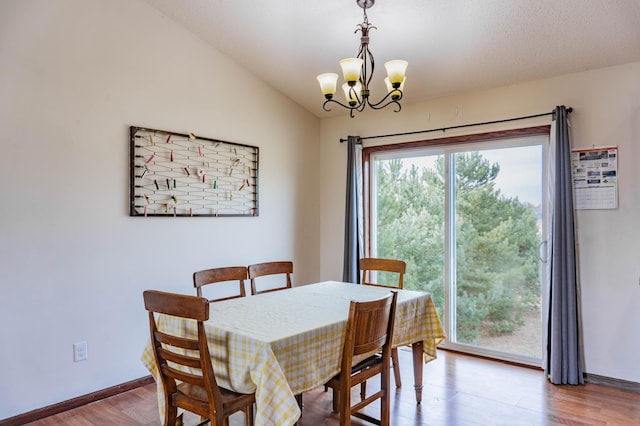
497 272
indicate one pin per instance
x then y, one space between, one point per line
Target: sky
520 171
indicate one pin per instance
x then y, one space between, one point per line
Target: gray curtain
353 225
564 346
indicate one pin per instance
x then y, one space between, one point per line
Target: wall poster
595 177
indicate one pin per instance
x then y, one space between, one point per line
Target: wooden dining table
287 342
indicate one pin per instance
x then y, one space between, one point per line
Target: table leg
418 357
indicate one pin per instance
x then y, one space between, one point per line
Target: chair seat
231 401
367 363
365 368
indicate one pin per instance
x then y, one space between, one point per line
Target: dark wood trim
611 382
453 140
595 379
51 410
490 358
423 143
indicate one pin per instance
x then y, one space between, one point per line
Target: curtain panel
353 221
564 345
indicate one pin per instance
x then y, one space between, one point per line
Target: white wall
606 106
74 75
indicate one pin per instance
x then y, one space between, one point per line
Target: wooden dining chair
369 331
219 276
198 392
270 268
395 270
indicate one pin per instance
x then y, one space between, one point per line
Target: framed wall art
176 174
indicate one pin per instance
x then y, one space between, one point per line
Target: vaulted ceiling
452 45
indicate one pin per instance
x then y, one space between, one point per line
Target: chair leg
363 390
385 386
396 367
248 413
299 401
171 417
345 407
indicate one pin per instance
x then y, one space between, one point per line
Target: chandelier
358 72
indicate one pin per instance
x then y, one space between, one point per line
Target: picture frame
183 175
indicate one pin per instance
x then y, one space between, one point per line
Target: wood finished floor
459 390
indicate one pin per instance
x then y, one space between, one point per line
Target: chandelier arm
376 106
394 99
365 54
361 106
369 56
353 90
355 107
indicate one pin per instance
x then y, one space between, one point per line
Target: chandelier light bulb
328 82
351 69
396 93
395 71
351 93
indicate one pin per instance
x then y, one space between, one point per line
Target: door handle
541 252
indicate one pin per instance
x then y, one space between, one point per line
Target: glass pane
498 207
408 220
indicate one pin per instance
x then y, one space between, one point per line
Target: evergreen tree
497 270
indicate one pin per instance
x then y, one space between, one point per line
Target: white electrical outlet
80 351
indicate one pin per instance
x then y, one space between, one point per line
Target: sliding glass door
468 220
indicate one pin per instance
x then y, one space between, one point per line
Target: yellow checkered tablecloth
283 343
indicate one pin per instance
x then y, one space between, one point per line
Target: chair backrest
370 264
221 275
270 268
171 348
369 329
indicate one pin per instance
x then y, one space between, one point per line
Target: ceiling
452 45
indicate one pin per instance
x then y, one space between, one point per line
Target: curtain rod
444 129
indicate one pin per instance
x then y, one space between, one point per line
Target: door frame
460 143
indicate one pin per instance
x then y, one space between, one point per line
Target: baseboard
60 407
588 377
611 382
490 358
